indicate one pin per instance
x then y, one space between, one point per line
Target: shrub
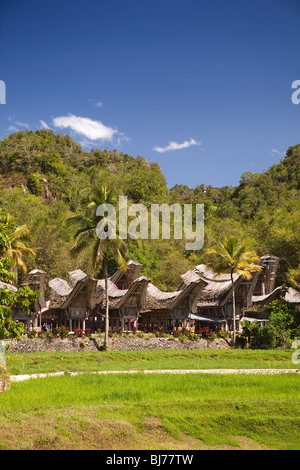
34 184
182 337
32 334
62 332
192 336
268 337
42 334
223 334
295 333
79 332
241 341
263 339
205 332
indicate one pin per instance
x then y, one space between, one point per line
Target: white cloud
175 146
16 125
22 124
13 129
99 104
86 127
277 152
44 125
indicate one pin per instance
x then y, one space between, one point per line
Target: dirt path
19 378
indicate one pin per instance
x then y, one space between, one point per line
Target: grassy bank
152 412
156 412
85 361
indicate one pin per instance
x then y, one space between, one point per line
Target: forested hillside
46 178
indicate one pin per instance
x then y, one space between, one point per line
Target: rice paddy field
151 411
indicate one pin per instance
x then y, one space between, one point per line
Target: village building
259 311
170 311
71 303
135 303
265 292
35 280
215 304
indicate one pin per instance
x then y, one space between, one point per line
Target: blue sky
203 88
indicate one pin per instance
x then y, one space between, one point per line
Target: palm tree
102 249
249 328
14 239
233 257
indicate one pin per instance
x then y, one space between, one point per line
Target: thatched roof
123 278
8 286
218 287
36 276
157 299
113 291
59 291
117 297
75 276
60 286
89 286
287 293
188 277
37 271
292 296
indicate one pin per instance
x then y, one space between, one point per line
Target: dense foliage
23 298
282 327
47 178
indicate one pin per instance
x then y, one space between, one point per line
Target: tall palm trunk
233 305
14 269
106 304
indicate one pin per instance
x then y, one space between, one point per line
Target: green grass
152 412
90 389
151 359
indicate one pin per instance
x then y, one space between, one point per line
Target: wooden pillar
70 324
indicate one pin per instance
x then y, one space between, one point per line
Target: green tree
277 332
233 257
10 298
14 240
103 249
249 329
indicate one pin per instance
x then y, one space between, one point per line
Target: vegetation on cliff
48 178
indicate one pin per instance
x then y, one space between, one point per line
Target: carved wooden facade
203 299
